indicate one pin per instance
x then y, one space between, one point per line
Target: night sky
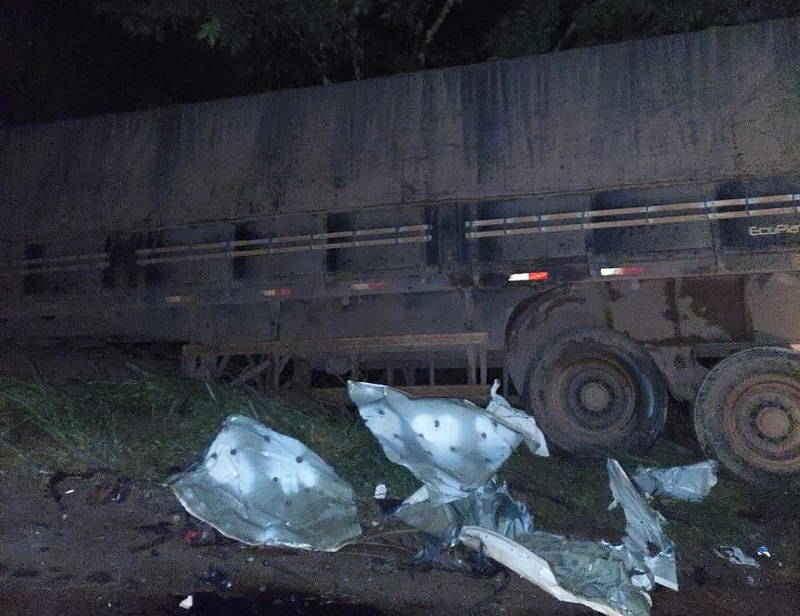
58 60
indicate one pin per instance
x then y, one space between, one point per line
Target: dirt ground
99 545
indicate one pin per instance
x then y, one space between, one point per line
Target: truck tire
747 416
596 392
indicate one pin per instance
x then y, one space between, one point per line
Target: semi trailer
605 229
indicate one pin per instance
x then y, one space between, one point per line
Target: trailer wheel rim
597 397
761 419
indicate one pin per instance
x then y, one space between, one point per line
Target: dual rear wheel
595 392
747 416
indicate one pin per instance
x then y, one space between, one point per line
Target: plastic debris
199 535
187 603
763 551
644 533
735 555
216 578
453 446
691 483
261 487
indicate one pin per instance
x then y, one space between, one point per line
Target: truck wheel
596 392
747 416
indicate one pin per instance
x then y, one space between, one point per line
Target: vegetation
349 39
151 426
63 59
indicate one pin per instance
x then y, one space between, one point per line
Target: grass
149 427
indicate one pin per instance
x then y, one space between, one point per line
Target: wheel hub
595 397
762 422
774 423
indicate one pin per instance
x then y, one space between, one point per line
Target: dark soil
99 544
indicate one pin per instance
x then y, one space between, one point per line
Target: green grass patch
150 426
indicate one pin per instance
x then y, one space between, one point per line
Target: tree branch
431 33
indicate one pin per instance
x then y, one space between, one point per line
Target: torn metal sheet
519 421
583 572
261 487
453 446
644 533
490 507
691 483
735 555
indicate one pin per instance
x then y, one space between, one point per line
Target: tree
336 38
539 26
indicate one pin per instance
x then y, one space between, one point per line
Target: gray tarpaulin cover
692 483
261 487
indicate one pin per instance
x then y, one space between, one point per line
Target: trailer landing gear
747 415
594 392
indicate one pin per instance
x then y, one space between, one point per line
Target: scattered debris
199 535
736 556
210 603
217 578
461 558
691 483
644 535
583 572
611 579
261 487
763 551
490 506
454 448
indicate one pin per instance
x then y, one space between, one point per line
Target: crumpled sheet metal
736 555
490 506
644 528
583 572
610 579
261 487
691 483
454 446
500 409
